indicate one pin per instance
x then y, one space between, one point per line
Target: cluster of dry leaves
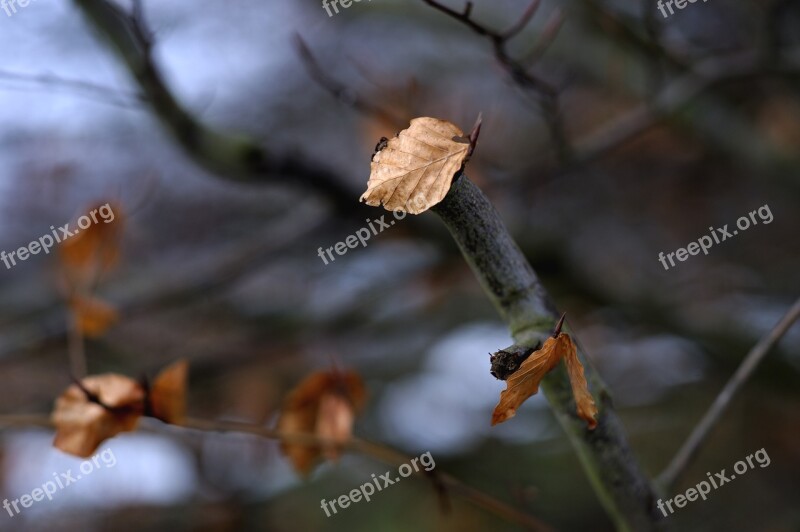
524 382
83 259
324 404
99 407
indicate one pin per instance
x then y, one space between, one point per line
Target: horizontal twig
375 450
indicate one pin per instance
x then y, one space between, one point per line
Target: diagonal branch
230 156
678 94
340 91
698 436
512 285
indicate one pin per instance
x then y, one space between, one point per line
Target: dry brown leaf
95 250
168 393
413 172
525 381
580 389
105 405
82 425
323 404
93 316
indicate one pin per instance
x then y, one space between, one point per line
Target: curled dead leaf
82 424
324 404
524 382
580 389
414 170
167 395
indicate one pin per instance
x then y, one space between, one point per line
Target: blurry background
227 274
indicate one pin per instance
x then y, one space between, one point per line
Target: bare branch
514 288
232 157
440 481
546 92
698 436
546 38
523 21
340 91
677 94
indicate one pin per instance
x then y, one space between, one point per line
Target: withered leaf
82 424
323 404
92 251
580 389
525 381
93 316
413 172
102 406
168 393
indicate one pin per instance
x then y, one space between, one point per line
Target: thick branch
511 283
229 156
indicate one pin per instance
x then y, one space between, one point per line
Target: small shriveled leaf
82 424
93 251
580 389
323 404
168 393
335 420
525 381
413 172
93 316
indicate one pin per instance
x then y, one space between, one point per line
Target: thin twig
93 91
475 134
546 37
698 436
526 17
75 347
340 91
676 96
520 73
378 451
